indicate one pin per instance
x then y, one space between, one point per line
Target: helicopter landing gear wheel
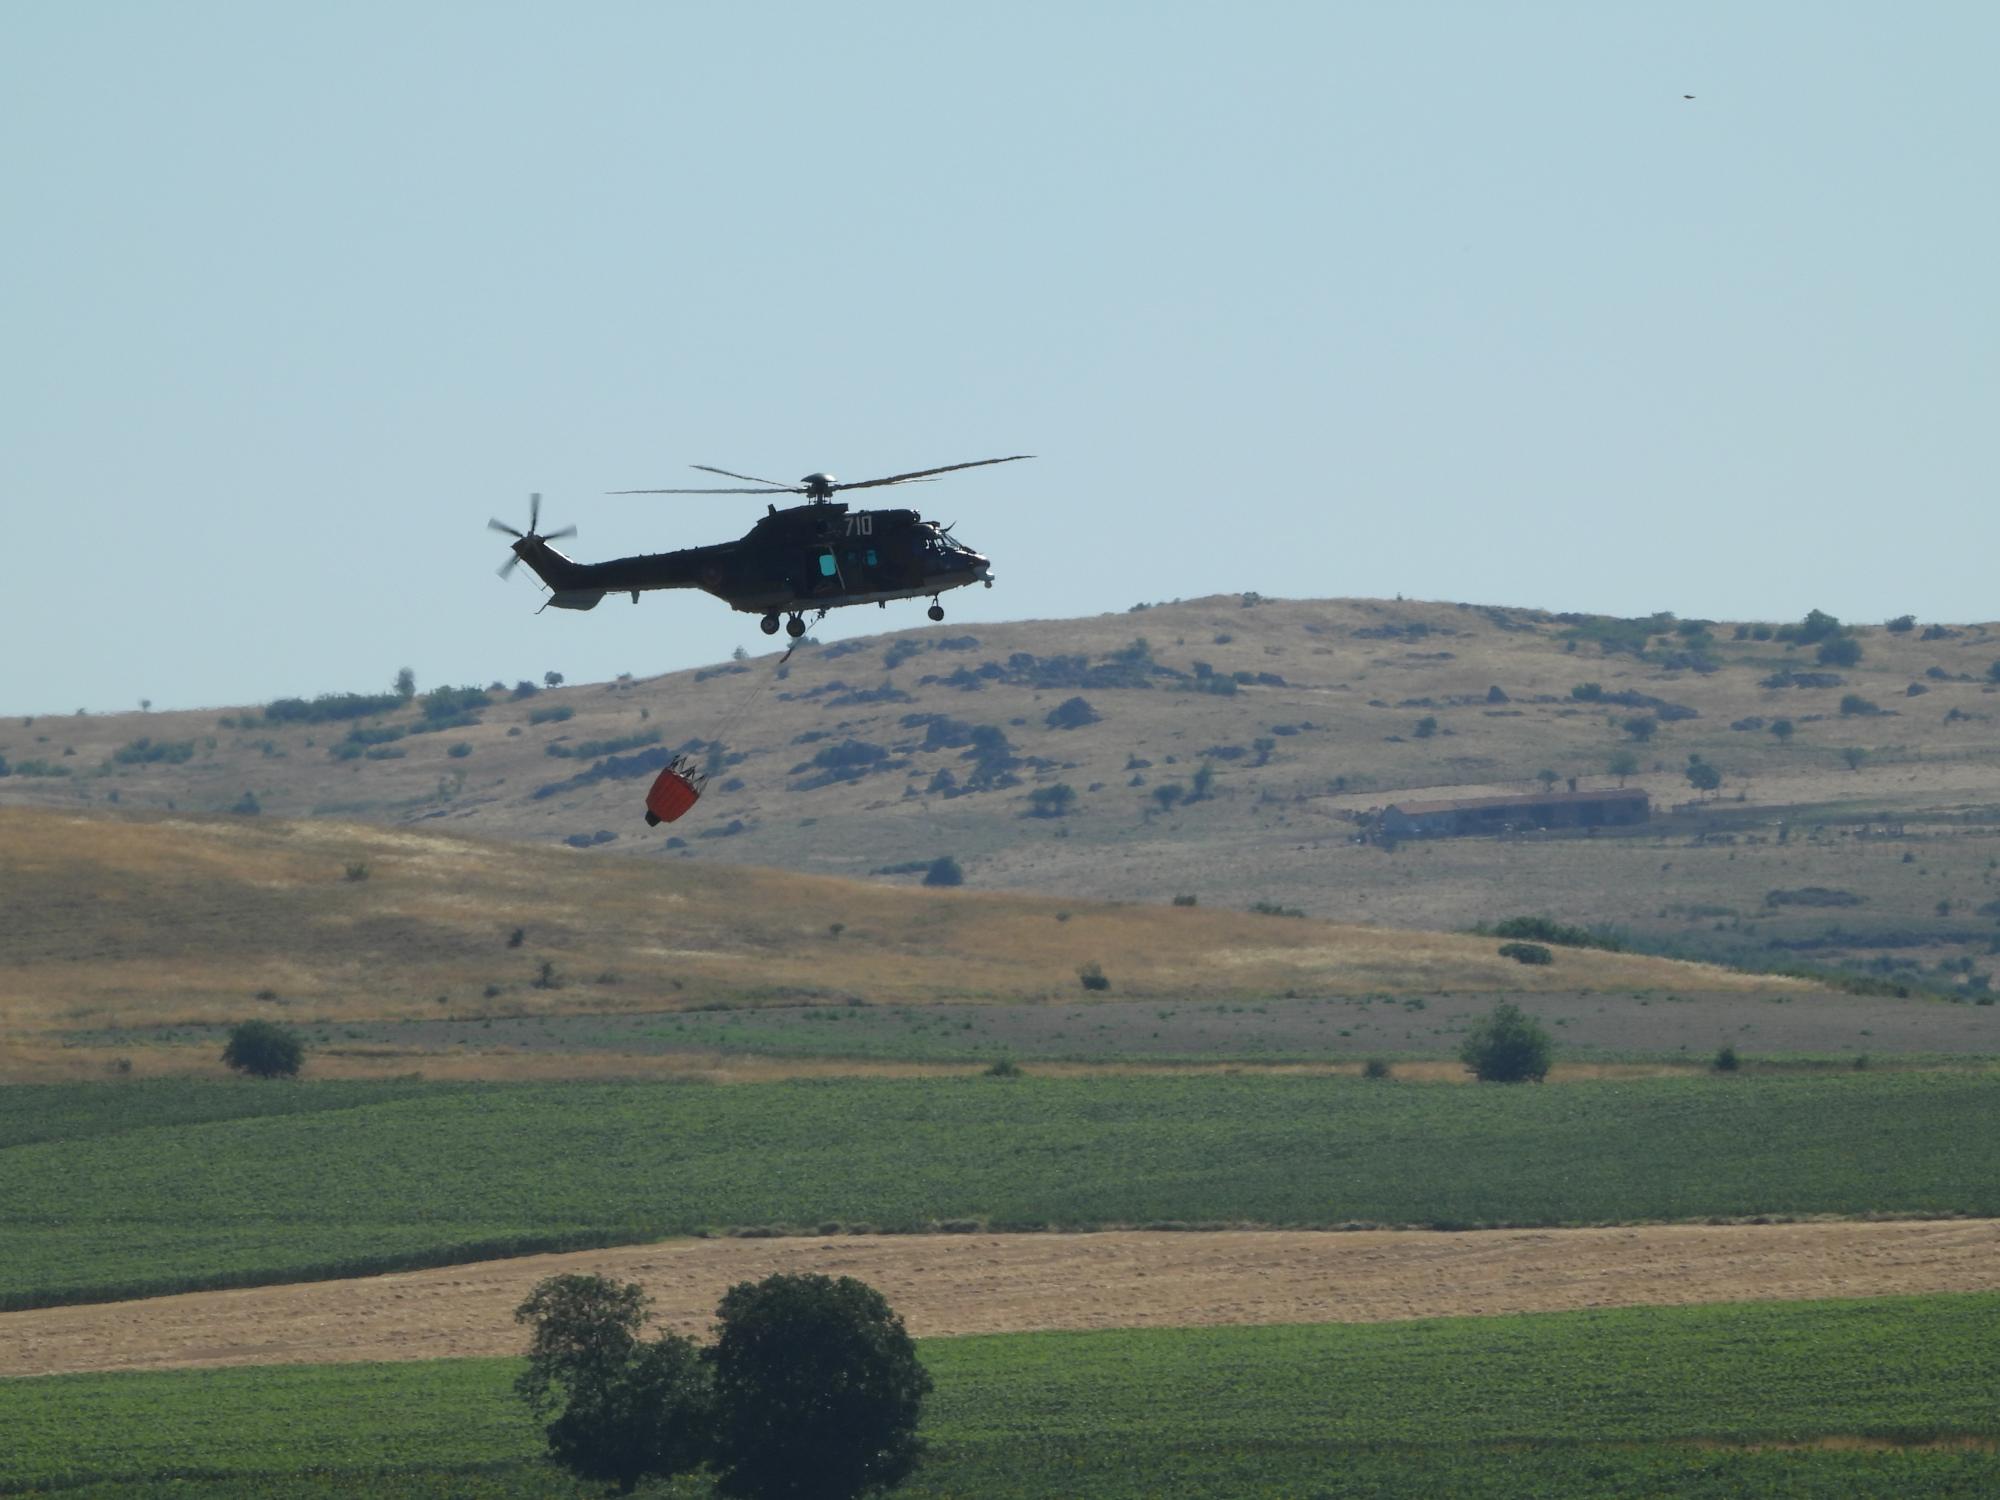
936 611
769 624
795 626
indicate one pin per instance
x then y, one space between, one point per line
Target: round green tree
1507 1046
817 1390
263 1049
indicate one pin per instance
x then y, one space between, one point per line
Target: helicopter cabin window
871 557
827 566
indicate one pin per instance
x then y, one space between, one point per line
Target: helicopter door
828 568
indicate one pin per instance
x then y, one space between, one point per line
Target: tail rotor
530 535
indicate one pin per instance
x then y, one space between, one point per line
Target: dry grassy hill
120 922
864 756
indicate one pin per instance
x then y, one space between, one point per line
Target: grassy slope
455 1172
119 922
1355 670
1570 1403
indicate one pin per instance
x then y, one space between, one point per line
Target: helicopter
802 559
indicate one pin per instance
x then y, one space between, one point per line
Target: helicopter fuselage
812 557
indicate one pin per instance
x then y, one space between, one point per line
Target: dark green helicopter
805 558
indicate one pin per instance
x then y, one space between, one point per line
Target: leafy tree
1902 624
1854 755
1642 727
1168 795
1547 778
1702 776
1993 672
264 1049
552 679
1426 726
1093 977
944 870
1527 953
1816 626
620 1408
1784 730
406 684
1623 763
1507 1046
817 1390
1263 746
1587 692
1204 778
1839 651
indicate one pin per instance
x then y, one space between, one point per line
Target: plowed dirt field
985 1283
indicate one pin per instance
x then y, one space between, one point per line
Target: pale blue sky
1462 301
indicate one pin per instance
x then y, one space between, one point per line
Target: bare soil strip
986 1283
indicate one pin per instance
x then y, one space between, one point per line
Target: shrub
1004 1067
263 1049
1563 934
1726 1060
1840 651
1051 801
557 715
1641 727
1854 704
1902 624
1527 953
1092 976
944 870
1426 727
1185 899
1072 713
1375 1068
356 870
817 1389
1784 729
1507 1046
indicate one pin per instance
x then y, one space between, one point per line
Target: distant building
1610 808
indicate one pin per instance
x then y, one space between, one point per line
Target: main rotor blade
977 463
556 536
779 490
498 525
727 474
509 565
534 511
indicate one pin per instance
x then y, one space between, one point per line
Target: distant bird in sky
1687 96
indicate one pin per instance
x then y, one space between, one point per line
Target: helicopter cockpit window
827 566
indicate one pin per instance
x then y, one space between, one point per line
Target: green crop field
396 1174
1644 1400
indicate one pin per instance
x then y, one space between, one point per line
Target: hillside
129 925
878 754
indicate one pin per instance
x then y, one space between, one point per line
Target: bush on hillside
944 870
264 1049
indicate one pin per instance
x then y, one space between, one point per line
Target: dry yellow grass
116 922
947 1285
